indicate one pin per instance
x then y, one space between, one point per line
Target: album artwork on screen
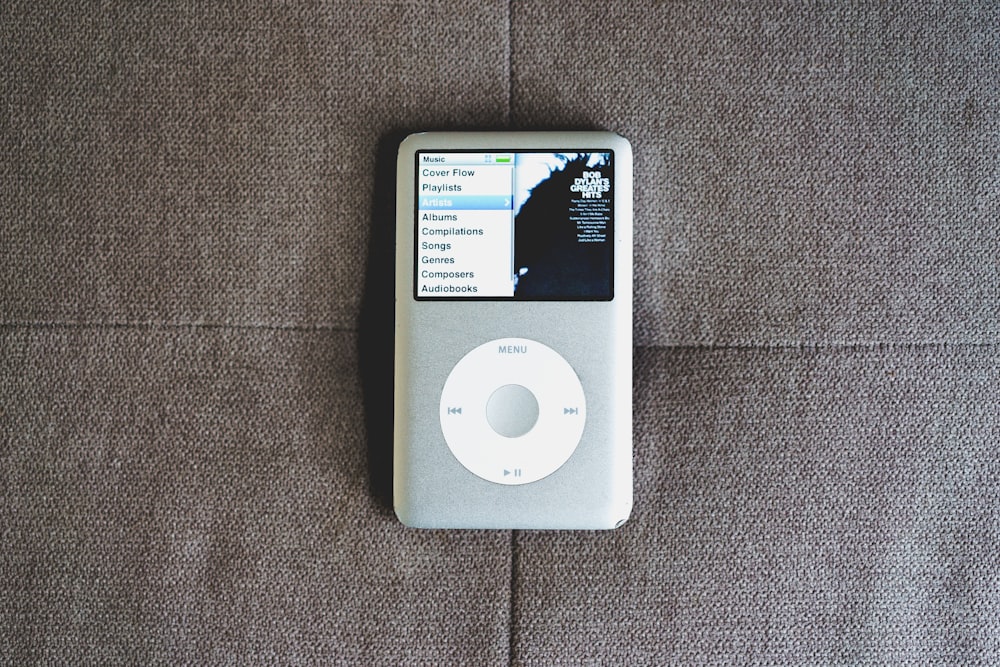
518 225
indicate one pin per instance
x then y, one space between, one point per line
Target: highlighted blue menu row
467 202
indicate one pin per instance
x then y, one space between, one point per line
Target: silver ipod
513 331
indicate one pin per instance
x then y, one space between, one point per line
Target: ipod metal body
513 330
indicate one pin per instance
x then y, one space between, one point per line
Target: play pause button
516 472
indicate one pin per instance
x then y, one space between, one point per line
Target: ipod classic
513 330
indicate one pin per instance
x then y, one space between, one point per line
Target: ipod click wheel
512 411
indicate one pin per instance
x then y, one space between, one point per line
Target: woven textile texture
195 322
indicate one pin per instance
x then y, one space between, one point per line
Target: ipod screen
528 225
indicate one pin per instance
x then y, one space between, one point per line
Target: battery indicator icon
503 158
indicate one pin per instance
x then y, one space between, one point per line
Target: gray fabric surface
194 382
805 172
193 164
200 495
793 506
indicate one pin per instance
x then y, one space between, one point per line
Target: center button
512 410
